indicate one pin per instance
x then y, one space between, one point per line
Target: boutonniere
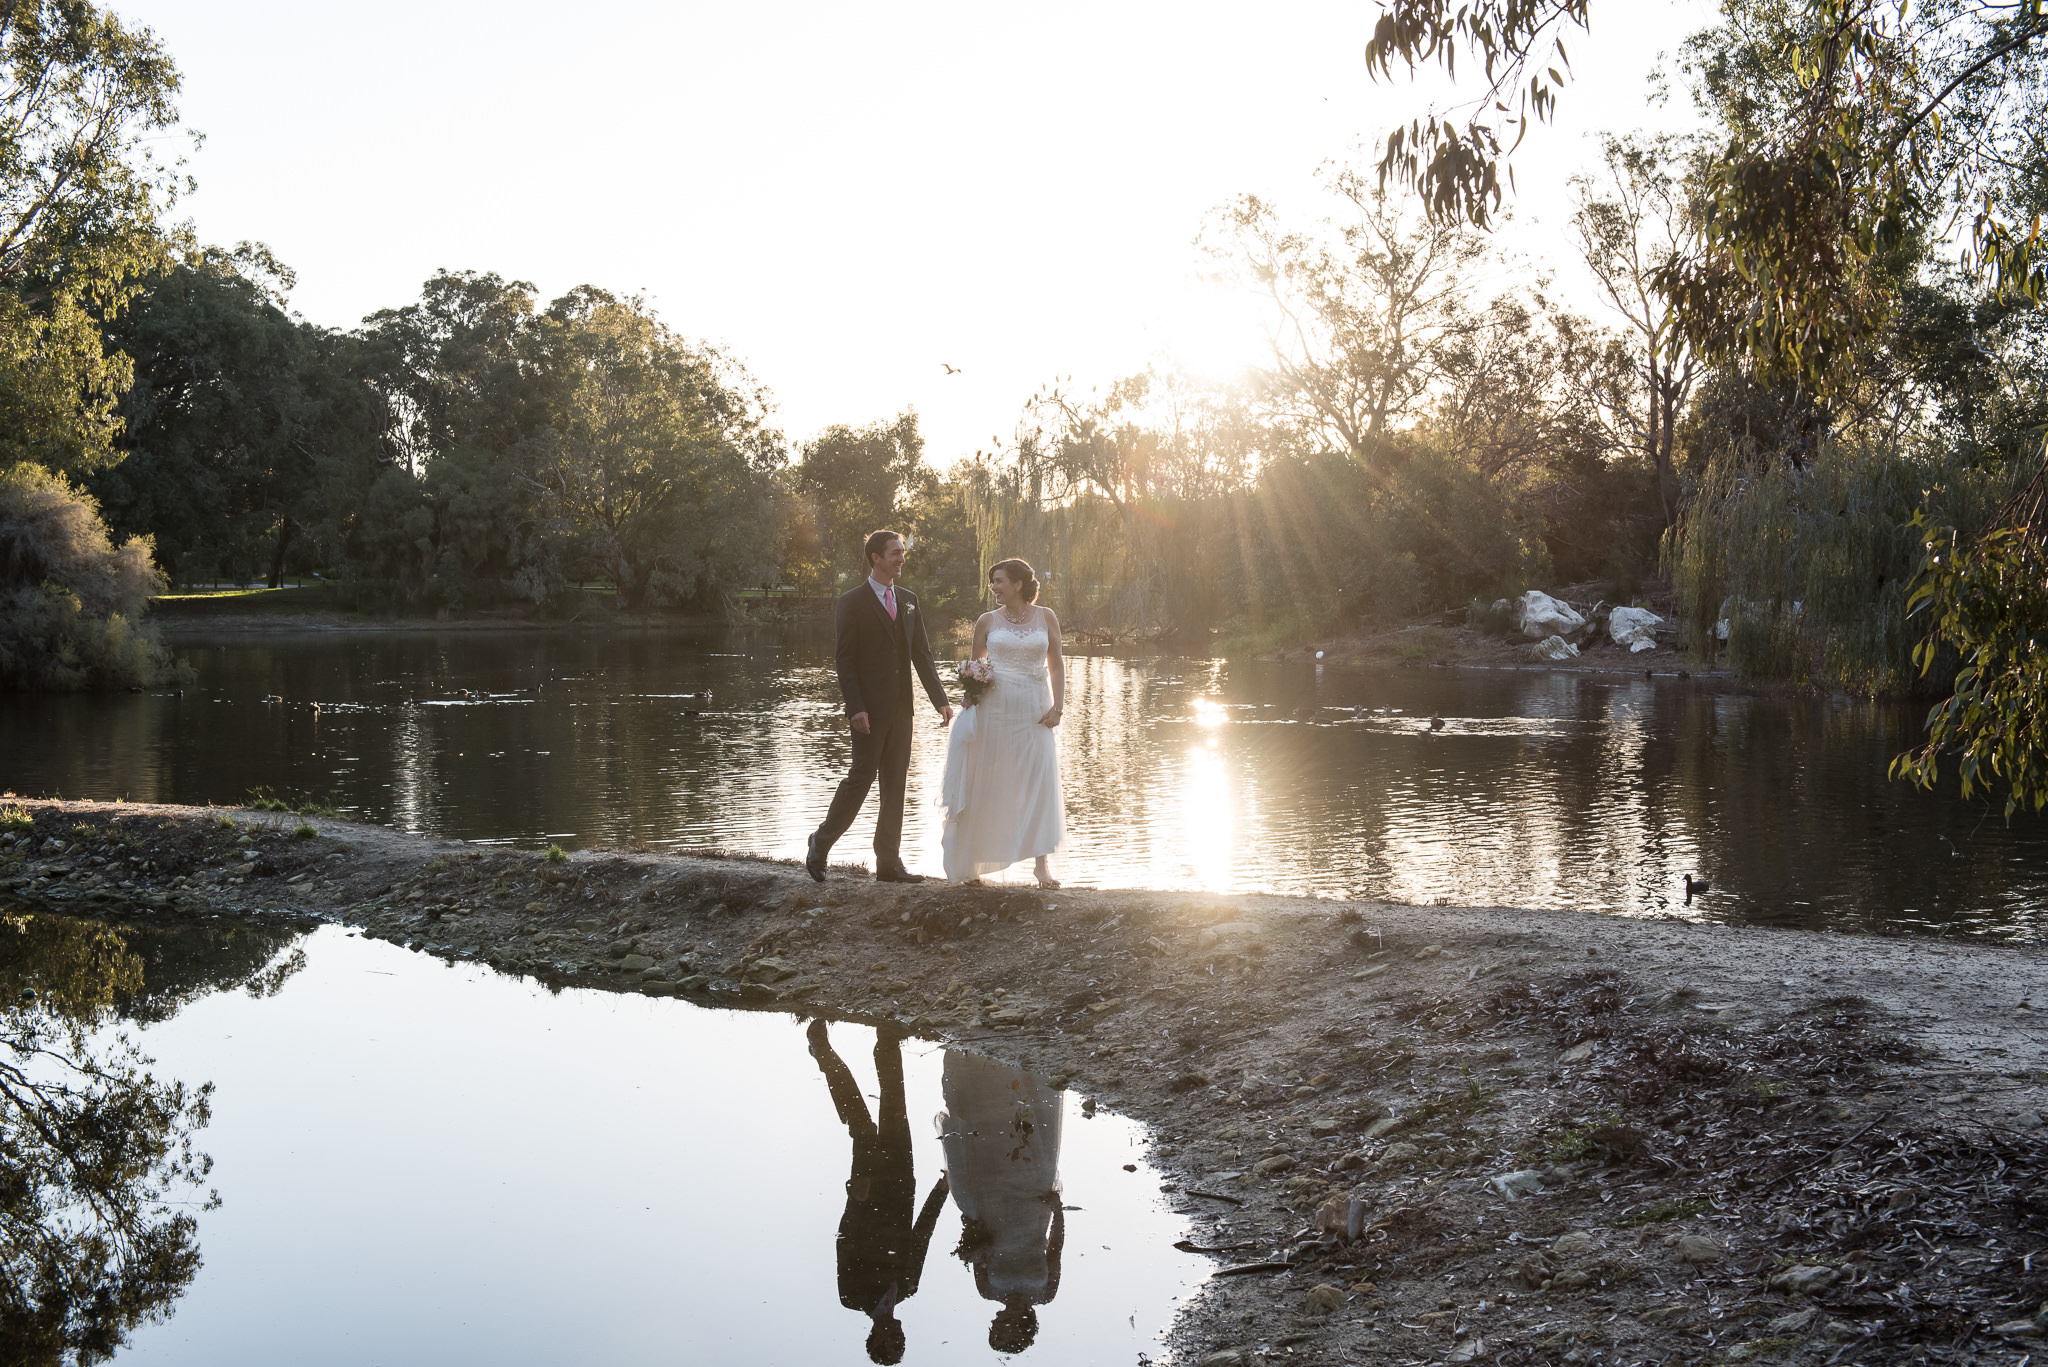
910 607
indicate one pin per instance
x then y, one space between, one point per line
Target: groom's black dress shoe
899 874
814 860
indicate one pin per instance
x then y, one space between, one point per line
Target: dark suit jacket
875 655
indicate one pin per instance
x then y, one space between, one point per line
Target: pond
1542 789
423 1162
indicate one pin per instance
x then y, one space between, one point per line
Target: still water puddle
420 1162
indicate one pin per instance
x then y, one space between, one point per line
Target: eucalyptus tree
1366 314
455 511
849 481
83 97
247 433
658 453
1631 224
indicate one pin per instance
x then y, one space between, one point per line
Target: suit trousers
883 751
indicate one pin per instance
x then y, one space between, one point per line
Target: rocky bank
1405 1134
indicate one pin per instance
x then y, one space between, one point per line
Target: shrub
556 855
15 817
71 602
305 830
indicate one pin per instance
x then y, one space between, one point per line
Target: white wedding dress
1001 793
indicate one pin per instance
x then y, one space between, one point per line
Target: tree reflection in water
1001 1133
97 1165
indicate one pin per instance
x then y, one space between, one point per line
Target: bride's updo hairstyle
1019 572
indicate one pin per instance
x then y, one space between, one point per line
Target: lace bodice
1017 652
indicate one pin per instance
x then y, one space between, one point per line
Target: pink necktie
889 602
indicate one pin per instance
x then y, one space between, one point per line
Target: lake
1541 790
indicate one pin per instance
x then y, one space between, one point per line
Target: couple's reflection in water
1001 1134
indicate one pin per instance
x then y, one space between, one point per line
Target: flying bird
951 369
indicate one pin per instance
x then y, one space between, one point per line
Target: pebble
1572 1244
1324 1299
1323 1128
1805 1280
1381 1126
1428 952
1225 1357
637 963
1279 1162
1578 1053
2017 1329
1400 1151
1695 1248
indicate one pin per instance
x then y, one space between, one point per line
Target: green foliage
585 441
248 437
82 97
1985 604
71 602
1457 171
658 455
15 817
305 830
1852 129
849 482
1811 566
556 854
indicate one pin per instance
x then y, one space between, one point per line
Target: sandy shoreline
1557 1136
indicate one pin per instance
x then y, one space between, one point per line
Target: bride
1001 793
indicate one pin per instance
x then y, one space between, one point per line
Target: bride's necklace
1015 625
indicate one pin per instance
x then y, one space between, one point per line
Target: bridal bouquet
975 677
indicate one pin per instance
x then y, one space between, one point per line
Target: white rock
1538 615
1515 1185
1635 628
1555 648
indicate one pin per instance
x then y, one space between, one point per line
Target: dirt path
1410 1134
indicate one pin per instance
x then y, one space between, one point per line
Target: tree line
1788 396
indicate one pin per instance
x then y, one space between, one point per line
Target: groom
880 639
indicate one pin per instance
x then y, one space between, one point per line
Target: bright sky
847 197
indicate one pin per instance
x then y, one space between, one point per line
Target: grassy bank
1405 1133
